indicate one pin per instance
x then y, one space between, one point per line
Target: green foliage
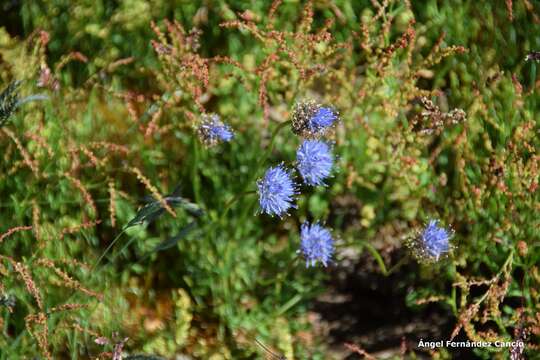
432 127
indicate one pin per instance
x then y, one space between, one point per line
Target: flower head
276 191
316 244
322 119
212 130
311 120
315 161
432 242
435 239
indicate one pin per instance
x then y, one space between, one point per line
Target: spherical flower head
212 130
314 161
276 191
434 241
316 244
430 244
311 120
324 118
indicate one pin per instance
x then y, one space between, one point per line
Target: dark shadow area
10 17
366 308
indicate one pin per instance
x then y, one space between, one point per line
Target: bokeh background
93 265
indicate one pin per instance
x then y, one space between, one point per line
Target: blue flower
435 240
314 161
316 244
276 191
311 120
212 130
322 119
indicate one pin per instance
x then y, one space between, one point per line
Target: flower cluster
314 161
212 130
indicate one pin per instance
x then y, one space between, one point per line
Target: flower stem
108 248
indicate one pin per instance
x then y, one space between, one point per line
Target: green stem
108 248
271 145
453 302
282 275
503 269
378 258
194 173
402 261
231 202
123 248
